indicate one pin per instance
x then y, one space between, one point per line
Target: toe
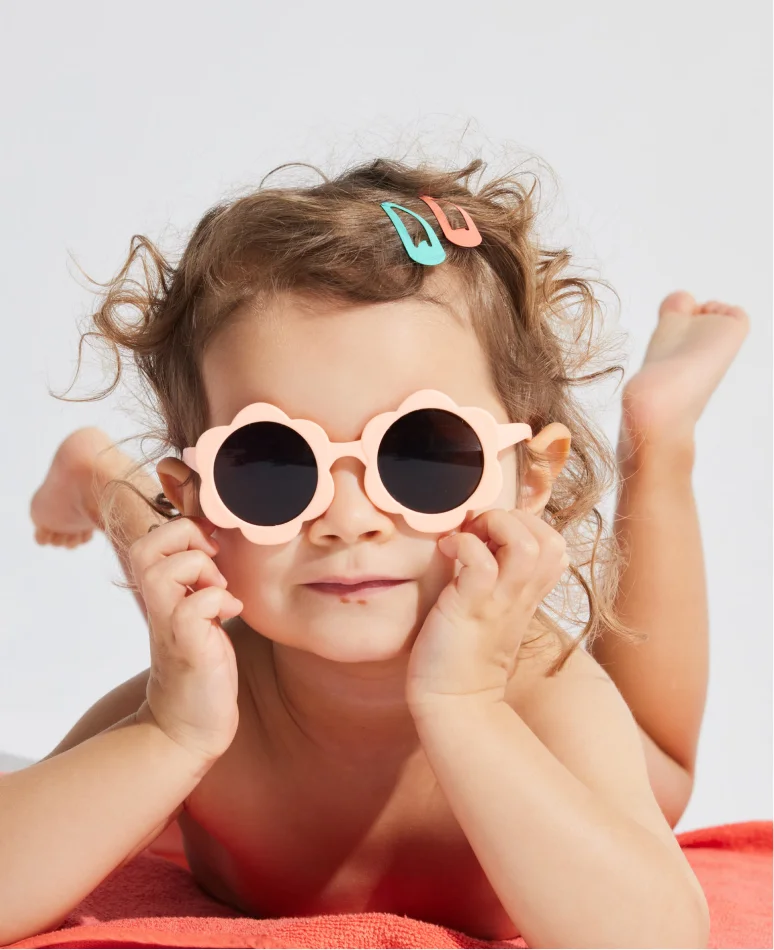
679 301
740 314
726 309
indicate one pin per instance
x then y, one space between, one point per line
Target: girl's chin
381 638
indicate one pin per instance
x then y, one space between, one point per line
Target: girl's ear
553 445
172 473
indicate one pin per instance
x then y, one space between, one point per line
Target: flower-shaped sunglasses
430 461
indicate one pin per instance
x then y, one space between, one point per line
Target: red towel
155 902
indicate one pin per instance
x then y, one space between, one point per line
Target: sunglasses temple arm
189 457
509 433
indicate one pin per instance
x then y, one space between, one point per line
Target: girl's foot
689 352
65 509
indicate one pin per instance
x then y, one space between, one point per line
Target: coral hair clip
465 237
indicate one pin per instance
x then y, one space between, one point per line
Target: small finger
478 575
169 581
192 618
175 535
516 548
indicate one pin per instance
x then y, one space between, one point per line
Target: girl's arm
67 822
560 814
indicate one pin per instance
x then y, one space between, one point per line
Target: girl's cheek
256 573
236 558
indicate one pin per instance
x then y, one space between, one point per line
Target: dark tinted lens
430 460
266 473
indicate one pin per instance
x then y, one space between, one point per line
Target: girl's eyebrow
217 417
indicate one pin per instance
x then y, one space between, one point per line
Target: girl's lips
355 588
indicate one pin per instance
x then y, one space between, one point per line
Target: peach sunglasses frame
494 437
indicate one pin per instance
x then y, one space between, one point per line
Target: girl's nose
351 514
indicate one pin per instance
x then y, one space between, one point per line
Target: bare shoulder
117 704
564 702
121 701
580 716
536 674
581 703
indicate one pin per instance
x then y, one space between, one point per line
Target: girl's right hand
192 685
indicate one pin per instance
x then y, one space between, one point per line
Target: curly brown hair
537 325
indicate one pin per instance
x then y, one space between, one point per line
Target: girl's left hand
469 641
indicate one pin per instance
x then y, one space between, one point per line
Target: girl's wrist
198 763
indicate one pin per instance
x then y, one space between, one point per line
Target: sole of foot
64 509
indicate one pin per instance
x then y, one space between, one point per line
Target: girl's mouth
366 587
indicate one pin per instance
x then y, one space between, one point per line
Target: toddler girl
363 692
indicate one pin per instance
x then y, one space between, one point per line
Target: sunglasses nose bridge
347 450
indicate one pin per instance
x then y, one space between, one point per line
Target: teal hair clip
432 252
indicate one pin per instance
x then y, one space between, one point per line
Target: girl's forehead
340 367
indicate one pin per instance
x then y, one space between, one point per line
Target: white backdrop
119 120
